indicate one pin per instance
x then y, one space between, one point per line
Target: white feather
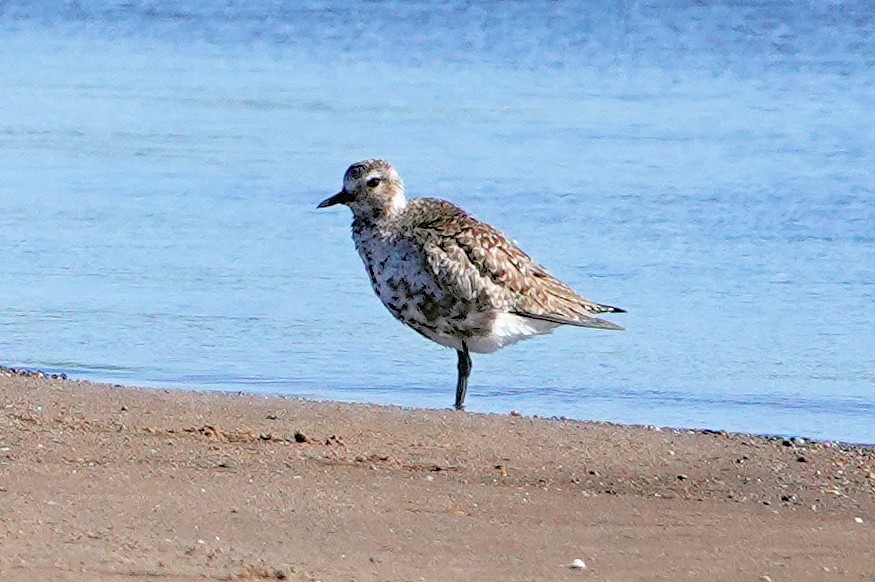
508 329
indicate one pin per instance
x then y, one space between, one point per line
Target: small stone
801 459
765 579
577 564
682 477
300 437
858 519
210 431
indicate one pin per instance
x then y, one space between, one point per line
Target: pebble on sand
577 564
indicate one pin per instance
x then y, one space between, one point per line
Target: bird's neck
382 215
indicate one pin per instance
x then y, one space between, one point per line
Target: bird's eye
373 182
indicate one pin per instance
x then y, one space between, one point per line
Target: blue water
708 166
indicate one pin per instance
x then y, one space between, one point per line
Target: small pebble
335 440
858 519
577 564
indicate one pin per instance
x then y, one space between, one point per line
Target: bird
450 277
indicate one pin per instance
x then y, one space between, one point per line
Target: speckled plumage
450 277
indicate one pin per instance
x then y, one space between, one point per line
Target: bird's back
471 260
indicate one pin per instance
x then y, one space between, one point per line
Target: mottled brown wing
475 262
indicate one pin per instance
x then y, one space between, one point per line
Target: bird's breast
404 283
397 271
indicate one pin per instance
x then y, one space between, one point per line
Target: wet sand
112 483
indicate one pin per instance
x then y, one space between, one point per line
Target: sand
109 483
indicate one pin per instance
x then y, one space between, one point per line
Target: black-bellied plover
455 280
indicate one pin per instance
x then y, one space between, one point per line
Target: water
709 167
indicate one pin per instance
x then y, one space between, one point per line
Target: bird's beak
342 197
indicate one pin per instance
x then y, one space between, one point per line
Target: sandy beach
110 483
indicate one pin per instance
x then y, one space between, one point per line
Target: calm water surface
711 168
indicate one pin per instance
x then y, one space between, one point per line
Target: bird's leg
464 371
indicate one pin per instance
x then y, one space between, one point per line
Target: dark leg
464 372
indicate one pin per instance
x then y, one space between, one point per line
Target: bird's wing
473 261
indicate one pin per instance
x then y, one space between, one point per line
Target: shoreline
126 482
786 439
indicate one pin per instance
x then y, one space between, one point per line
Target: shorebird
452 278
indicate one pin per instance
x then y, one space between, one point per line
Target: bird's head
372 189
